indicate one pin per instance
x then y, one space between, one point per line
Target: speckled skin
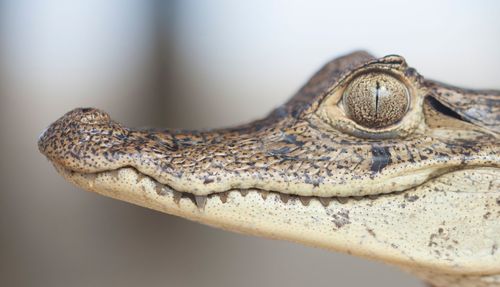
319 177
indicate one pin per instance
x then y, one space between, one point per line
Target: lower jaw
442 225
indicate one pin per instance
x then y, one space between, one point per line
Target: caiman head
368 158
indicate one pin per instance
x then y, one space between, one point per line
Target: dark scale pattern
292 151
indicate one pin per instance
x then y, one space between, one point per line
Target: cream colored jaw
445 218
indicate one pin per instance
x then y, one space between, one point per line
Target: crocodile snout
76 136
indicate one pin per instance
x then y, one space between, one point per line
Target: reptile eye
376 100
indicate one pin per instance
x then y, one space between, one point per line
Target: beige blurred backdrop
191 64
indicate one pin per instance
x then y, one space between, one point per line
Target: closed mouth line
200 200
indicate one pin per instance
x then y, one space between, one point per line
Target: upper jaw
291 157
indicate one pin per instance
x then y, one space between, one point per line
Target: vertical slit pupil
376 98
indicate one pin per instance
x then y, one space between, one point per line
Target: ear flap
481 107
325 78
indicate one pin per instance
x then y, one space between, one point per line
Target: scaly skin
422 193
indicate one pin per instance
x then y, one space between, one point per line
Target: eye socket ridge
375 99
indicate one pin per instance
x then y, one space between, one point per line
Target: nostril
76 131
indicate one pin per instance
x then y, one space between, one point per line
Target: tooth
264 194
342 200
189 196
325 201
305 200
90 176
223 196
114 174
160 190
140 176
284 197
177 197
201 201
244 192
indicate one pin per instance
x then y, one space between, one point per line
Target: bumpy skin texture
309 149
292 151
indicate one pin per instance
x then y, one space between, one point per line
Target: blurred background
190 64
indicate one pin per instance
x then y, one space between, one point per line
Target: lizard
368 158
